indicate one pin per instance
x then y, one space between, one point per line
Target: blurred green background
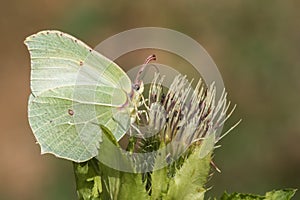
256 45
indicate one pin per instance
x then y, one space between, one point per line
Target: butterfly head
138 87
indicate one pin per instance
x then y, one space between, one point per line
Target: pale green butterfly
73 90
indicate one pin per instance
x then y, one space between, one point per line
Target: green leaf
110 149
207 145
88 183
160 183
239 196
285 194
132 187
188 182
95 180
160 179
97 188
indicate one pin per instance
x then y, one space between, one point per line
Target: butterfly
74 89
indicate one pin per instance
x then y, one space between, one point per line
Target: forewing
58 59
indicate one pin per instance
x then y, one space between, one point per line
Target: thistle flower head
185 116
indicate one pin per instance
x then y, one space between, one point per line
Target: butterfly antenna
147 61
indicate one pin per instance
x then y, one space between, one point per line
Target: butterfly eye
136 87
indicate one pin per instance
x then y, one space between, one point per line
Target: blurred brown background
255 44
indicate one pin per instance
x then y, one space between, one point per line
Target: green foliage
285 194
183 179
160 183
87 180
189 180
97 181
132 187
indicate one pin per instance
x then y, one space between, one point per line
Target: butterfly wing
57 59
74 89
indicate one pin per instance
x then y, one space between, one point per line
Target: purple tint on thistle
187 115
